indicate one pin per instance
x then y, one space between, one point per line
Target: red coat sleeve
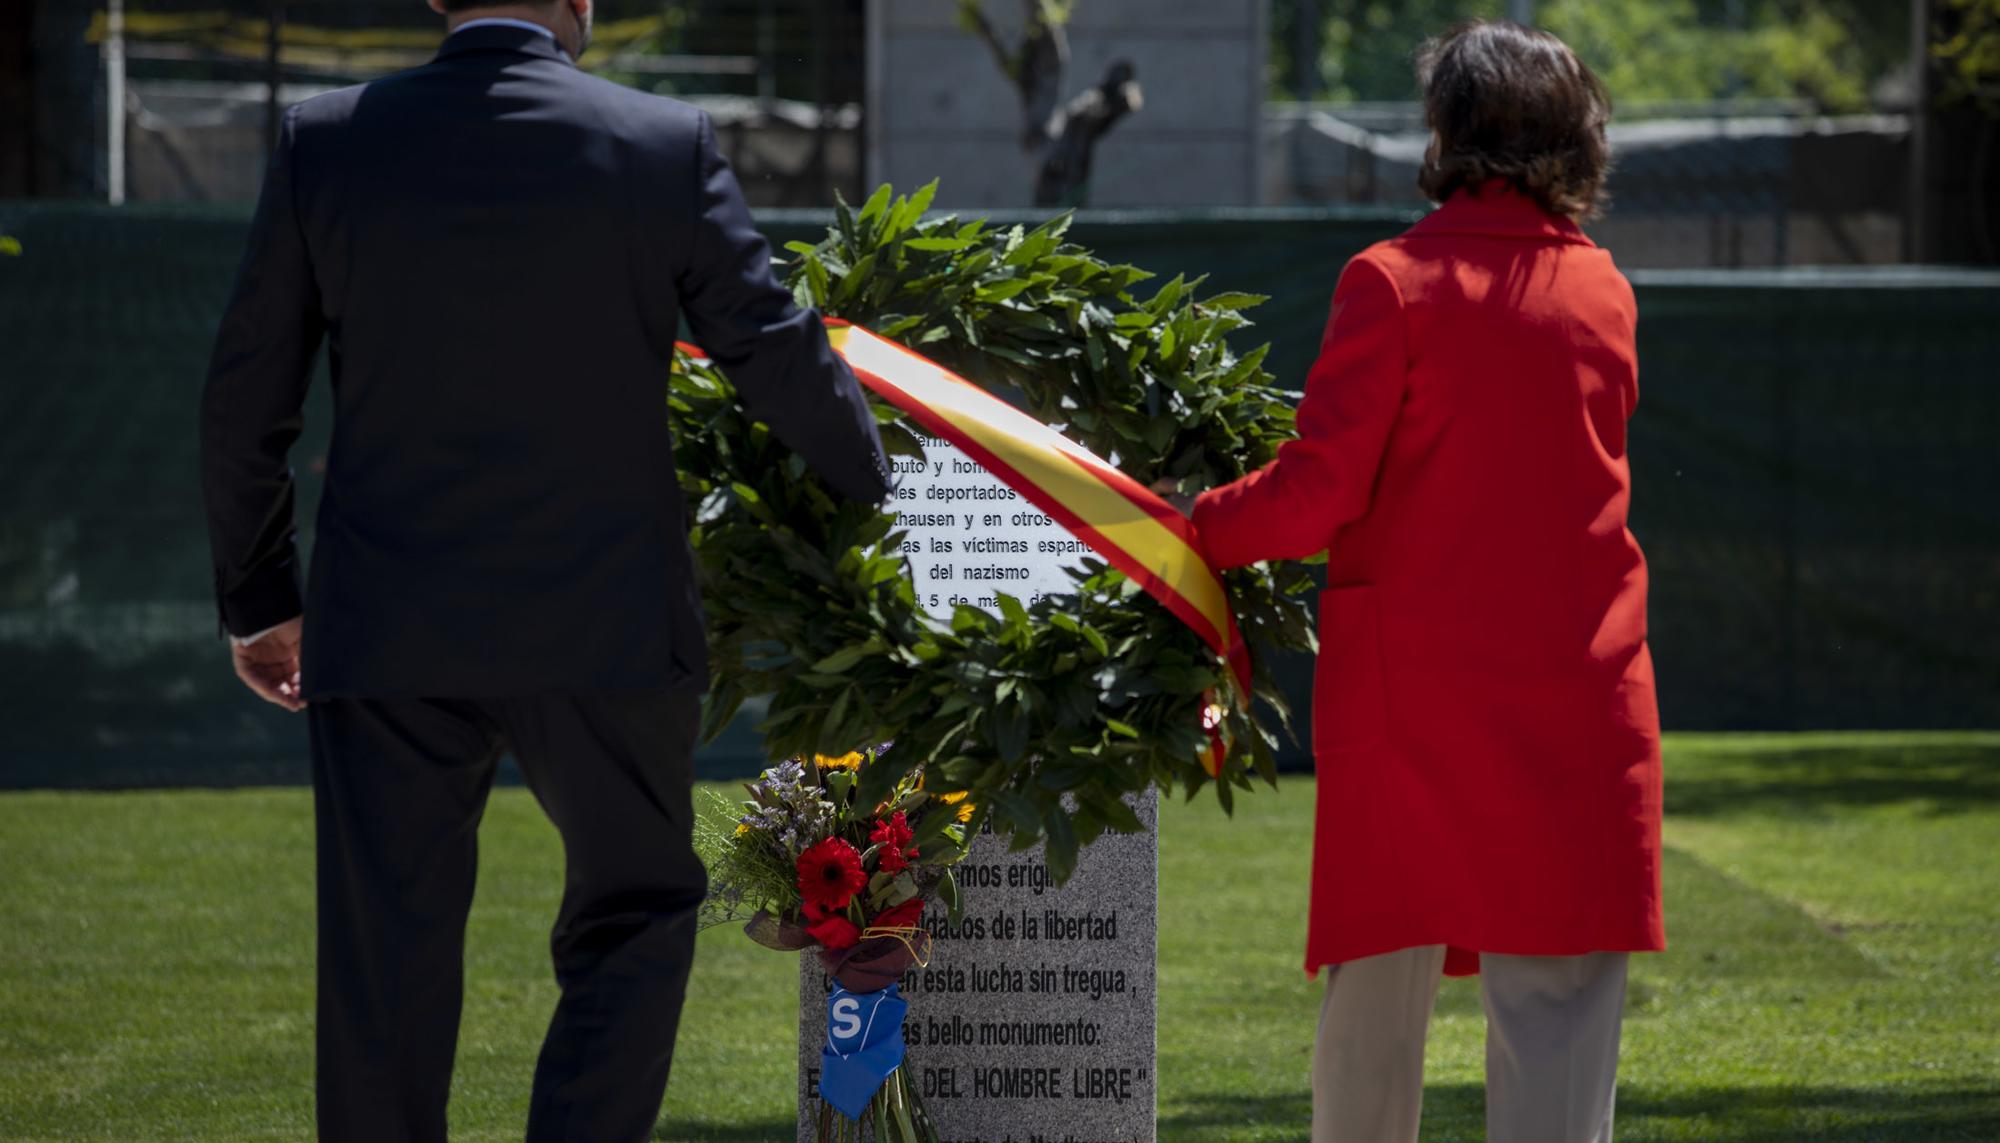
1290 508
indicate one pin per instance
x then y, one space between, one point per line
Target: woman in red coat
1484 727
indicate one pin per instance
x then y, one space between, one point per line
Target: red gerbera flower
830 874
893 835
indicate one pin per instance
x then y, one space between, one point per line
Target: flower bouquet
804 866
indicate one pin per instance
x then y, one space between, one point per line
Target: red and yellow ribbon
1121 520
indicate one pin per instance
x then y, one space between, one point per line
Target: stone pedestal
1034 1020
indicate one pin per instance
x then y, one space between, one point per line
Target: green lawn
1833 903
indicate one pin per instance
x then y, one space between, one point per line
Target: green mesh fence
1818 486
1818 491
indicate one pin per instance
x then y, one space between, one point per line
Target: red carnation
903 916
830 874
834 932
893 835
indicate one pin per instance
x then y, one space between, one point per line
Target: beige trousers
1552 1027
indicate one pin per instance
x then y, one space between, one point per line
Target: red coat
1484 727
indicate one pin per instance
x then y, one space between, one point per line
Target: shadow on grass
1772 1114
1833 1114
1721 929
761 1131
1950 774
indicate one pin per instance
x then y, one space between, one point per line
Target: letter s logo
846 1018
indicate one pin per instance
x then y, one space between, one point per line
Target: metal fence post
274 28
1916 213
114 102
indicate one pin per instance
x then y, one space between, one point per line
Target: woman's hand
1169 490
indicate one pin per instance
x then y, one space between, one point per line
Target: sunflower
848 761
958 798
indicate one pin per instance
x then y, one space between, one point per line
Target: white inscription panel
971 536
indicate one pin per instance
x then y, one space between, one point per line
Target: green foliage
1968 53
1829 52
1048 714
1649 52
1826 51
751 876
751 848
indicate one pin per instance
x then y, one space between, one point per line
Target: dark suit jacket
498 249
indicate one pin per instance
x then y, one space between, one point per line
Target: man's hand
270 666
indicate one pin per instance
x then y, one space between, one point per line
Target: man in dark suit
498 249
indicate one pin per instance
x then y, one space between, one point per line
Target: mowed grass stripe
1834 975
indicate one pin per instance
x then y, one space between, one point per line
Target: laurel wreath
1048 714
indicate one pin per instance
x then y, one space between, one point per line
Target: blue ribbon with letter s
864 1045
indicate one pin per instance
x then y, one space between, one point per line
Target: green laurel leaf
1051 714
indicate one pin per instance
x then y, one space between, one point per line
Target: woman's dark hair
1514 103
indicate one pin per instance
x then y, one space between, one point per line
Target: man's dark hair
1514 103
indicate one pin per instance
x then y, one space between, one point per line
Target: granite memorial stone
1032 1020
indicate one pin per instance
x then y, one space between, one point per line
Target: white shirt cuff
246 640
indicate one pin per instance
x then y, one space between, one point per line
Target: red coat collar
1498 210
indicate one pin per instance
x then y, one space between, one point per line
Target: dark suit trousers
400 785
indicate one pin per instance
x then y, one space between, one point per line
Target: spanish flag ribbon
1121 520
